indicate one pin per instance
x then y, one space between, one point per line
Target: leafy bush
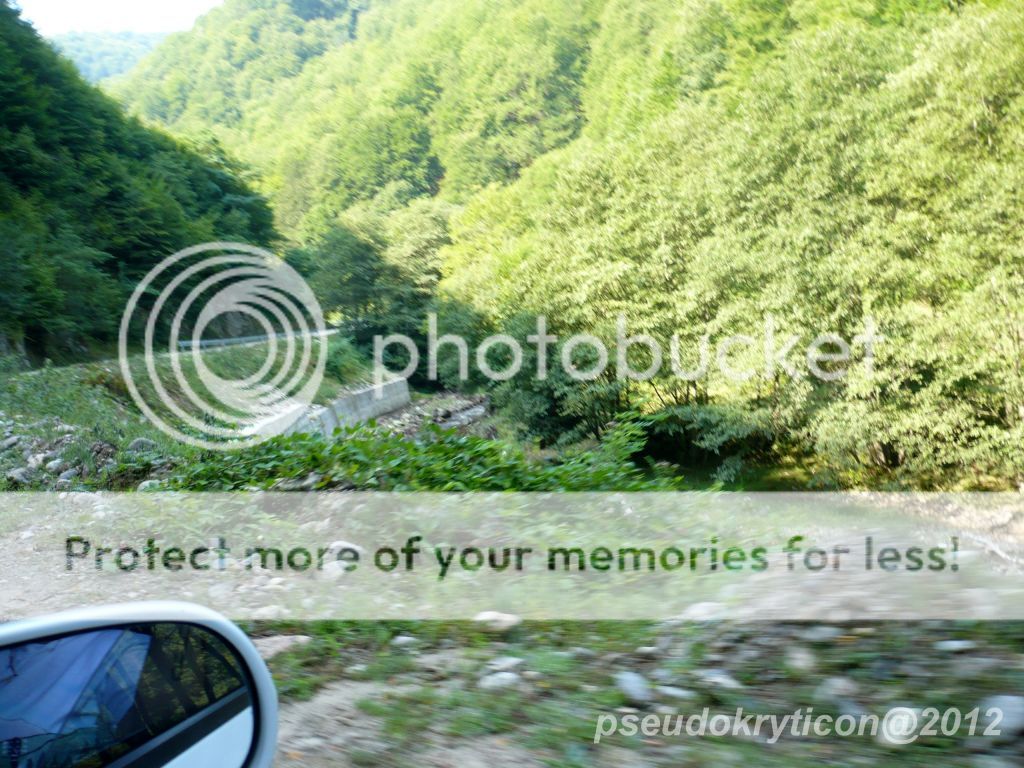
368 458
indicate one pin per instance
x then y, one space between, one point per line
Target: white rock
671 692
504 663
148 485
834 689
702 612
991 761
270 647
1012 709
955 646
140 444
19 476
719 678
498 680
269 612
337 546
820 633
634 687
899 738
404 641
800 659
494 621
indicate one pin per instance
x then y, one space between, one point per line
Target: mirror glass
151 694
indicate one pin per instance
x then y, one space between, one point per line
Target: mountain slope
697 167
90 199
99 55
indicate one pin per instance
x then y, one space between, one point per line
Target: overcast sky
55 17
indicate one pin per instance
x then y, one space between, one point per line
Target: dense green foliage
99 55
90 199
434 94
696 167
366 458
864 170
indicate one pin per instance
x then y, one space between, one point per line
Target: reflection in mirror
153 694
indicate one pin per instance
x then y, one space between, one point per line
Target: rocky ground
532 694
49 454
502 692
447 410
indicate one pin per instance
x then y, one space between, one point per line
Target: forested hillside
99 55
90 199
695 166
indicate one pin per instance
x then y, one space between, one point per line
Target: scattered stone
141 445
494 621
307 483
706 611
504 663
955 646
634 687
10 442
335 569
19 476
498 680
35 461
834 690
894 739
1012 708
62 485
972 665
269 647
820 633
444 664
718 678
404 641
148 485
338 546
69 474
269 613
671 692
800 659
102 452
991 761
56 466
648 651
663 675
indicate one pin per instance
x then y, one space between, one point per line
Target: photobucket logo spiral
215 392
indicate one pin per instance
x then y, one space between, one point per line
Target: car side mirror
145 684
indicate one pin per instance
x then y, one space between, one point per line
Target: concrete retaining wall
353 408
